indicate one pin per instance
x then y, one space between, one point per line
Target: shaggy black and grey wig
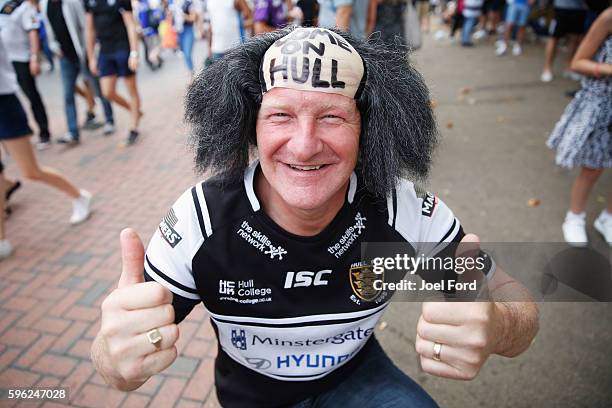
398 130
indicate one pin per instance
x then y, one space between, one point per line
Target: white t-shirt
8 80
224 24
15 25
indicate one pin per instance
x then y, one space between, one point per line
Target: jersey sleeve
168 259
29 18
428 224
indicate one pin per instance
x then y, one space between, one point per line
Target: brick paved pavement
52 287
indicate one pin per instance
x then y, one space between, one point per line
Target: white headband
312 59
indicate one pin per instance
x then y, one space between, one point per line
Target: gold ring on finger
155 338
437 349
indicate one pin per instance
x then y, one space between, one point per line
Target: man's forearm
34 42
519 321
131 30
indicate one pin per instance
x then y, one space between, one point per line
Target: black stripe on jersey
394 197
196 202
170 280
450 230
303 324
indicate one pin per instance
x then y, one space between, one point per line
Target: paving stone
94 293
75 258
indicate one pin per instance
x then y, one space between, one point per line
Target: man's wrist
503 327
133 54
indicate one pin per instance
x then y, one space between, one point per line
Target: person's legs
131 85
456 23
186 42
520 36
28 85
70 73
109 85
582 188
21 151
468 26
377 382
549 57
574 225
95 84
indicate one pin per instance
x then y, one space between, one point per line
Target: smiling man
272 248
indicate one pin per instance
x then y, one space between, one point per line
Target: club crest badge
362 278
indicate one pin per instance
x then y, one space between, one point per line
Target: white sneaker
574 229
81 208
108 129
501 49
546 76
68 139
40 146
516 50
440 35
603 224
5 248
480 34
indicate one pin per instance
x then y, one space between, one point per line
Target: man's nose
305 143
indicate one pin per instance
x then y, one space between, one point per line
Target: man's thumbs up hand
132 258
123 352
454 339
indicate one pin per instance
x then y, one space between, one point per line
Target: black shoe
12 189
132 137
91 123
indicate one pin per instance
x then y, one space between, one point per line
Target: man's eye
331 117
280 115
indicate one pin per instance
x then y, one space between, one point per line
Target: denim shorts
517 14
114 63
13 120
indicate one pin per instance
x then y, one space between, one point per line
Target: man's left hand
467 332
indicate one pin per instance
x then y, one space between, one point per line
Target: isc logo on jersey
306 278
167 231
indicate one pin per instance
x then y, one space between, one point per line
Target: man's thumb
469 247
132 258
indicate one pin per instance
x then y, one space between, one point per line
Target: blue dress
582 137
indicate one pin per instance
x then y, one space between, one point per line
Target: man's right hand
121 351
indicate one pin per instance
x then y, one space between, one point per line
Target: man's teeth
306 167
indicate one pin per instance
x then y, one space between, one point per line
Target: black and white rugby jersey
292 314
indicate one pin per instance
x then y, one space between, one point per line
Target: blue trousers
70 72
468 26
186 38
376 383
